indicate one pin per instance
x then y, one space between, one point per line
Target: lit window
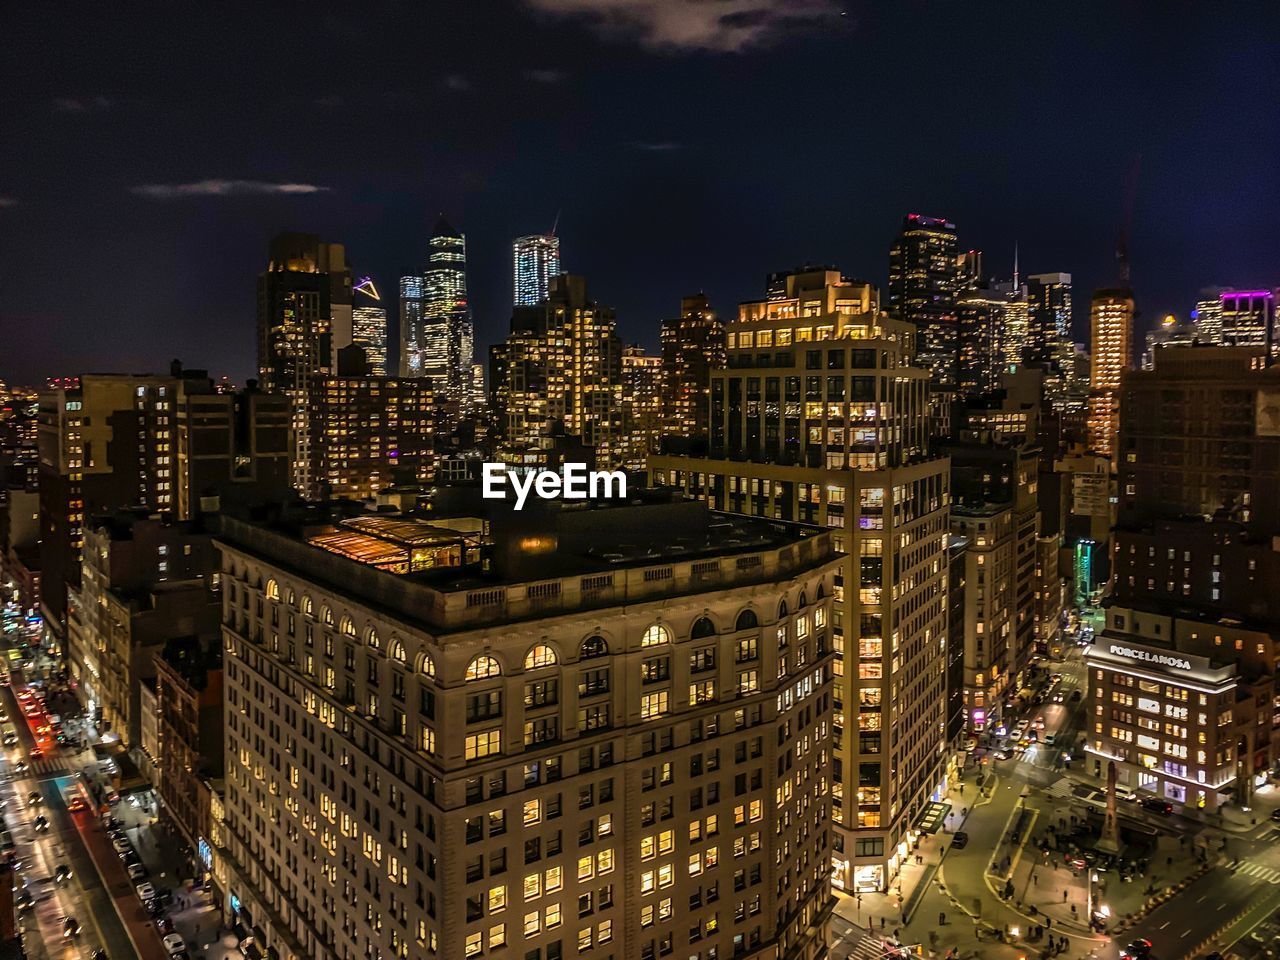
483 668
540 656
655 635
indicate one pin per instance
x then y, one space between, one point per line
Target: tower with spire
446 345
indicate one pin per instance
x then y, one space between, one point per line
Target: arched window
348 626
804 601
426 666
655 635
396 651
593 647
308 608
782 609
702 627
373 640
482 668
293 598
821 592
539 656
746 620
273 590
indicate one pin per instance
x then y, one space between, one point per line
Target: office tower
446 346
1111 324
1013 335
1207 315
1248 318
411 326
982 316
1172 332
145 580
304 318
535 260
1048 316
370 432
820 416
1192 633
369 326
562 371
923 281
969 270
479 394
692 347
169 444
558 757
642 391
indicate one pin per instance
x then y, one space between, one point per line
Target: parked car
62 873
70 928
960 840
122 845
145 890
1137 950
34 798
174 943
137 872
1156 805
1124 793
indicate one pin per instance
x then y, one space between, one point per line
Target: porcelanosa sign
1151 656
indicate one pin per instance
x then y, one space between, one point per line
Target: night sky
686 144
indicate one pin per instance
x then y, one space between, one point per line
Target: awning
933 817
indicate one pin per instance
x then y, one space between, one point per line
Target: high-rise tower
535 260
1111 322
692 347
924 274
369 326
447 338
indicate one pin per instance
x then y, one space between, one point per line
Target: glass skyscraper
410 326
446 345
536 259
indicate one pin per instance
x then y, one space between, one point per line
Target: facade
411 333
170 444
1247 318
982 319
1111 319
304 318
147 753
642 392
924 276
561 369
1049 315
576 759
1207 314
1172 332
369 325
535 259
189 696
447 344
369 433
692 348
820 416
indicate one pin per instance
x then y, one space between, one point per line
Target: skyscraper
1207 314
1248 318
1048 316
369 327
304 318
820 416
982 317
410 326
447 341
535 260
924 275
642 392
1111 321
692 347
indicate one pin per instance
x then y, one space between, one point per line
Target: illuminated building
924 277
982 317
171 444
370 432
304 318
554 759
561 369
369 328
692 347
1192 613
1248 318
1172 332
820 416
1048 316
410 326
535 260
1111 319
642 391
1207 315
447 344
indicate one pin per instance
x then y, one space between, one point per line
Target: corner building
528 750
822 417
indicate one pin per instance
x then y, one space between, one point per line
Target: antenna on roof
555 224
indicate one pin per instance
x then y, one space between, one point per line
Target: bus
9 734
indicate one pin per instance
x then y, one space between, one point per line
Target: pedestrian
1035 879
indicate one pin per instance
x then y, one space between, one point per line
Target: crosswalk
1256 870
42 768
875 948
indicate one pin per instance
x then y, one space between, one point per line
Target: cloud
713 25
546 76
80 104
221 188
7 202
660 146
456 81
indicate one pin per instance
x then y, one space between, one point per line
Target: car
1075 696
35 798
1039 723
41 823
113 797
165 925
70 928
137 871
1275 815
145 891
99 955
1075 864
36 753
1139 949
163 896
1058 697
23 899
1003 754
154 907
1050 739
61 873
960 840
21 767
174 943
75 802
1124 793
109 821
1156 805
122 846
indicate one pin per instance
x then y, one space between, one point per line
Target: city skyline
621 189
